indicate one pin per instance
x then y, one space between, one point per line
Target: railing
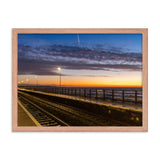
133 95
104 94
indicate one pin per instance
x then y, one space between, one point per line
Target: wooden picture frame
142 128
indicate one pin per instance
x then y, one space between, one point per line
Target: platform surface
23 118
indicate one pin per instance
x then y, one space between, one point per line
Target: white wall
87 14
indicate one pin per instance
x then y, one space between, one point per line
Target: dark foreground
56 110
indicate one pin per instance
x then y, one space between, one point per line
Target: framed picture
92 80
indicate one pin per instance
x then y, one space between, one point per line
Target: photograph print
79 80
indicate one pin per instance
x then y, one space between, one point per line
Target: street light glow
59 68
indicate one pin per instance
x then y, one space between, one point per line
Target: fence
133 95
104 94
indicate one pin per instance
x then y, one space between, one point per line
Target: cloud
45 59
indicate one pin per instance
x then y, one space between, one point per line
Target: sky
86 60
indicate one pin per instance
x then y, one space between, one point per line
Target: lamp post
36 82
27 81
59 68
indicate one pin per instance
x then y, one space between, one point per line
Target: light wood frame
143 128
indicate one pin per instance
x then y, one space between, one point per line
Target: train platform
136 105
95 101
24 118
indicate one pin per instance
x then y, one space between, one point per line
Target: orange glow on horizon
79 81
87 84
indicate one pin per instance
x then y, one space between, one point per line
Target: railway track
42 117
71 116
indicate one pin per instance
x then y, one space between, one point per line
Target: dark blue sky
127 42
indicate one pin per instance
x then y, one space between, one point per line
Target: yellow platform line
30 116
